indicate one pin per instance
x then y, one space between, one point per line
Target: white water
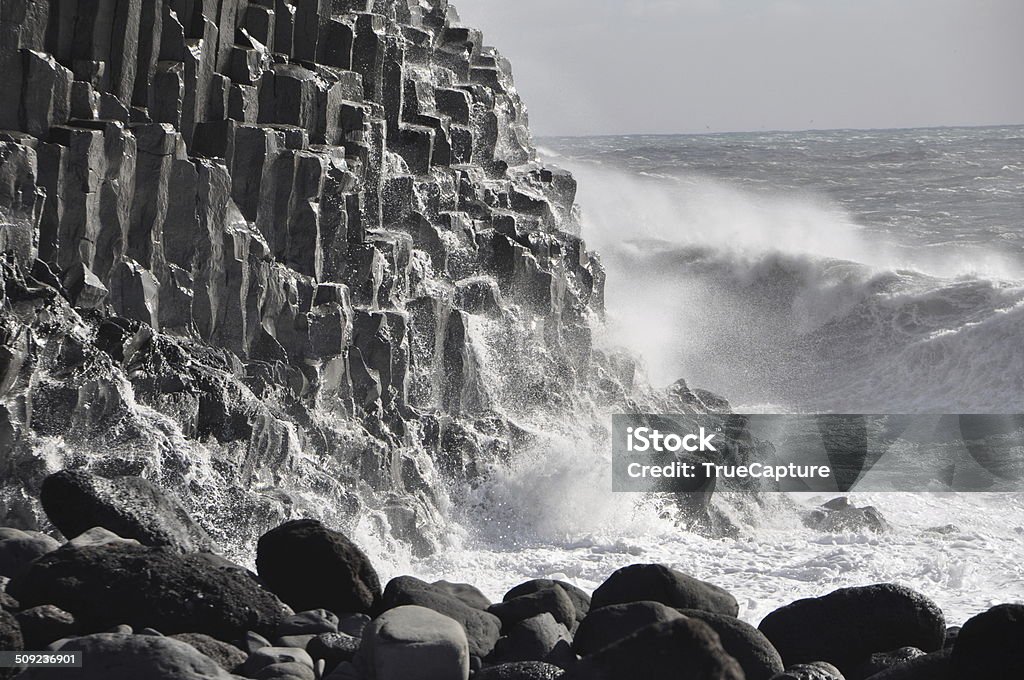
781 301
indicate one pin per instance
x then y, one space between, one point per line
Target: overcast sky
589 67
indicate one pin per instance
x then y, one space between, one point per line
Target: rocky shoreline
144 604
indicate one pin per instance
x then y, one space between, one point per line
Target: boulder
934 666
538 638
659 583
819 670
18 548
227 656
606 625
414 643
552 601
839 515
112 656
482 628
270 656
132 507
311 622
849 625
661 651
333 648
520 670
43 624
310 566
755 654
10 640
469 594
991 645
580 599
106 585
288 670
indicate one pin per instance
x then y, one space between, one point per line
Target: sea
847 271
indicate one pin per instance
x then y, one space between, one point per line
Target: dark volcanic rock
538 638
19 548
42 625
759 659
606 625
840 515
413 642
848 625
131 507
661 651
552 601
482 628
580 599
469 594
310 566
10 640
521 670
934 666
111 656
226 655
333 648
991 645
881 661
103 586
819 670
661 584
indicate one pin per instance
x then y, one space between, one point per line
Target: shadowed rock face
247 243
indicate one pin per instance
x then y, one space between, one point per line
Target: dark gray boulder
131 507
754 652
580 598
520 670
606 625
538 638
818 670
115 583
661 651
849 625
43 624
10 640
226 655
310 567
991 645
552 601
18 549
469 594
660 583
934 666
882 661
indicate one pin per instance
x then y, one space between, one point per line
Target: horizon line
781 131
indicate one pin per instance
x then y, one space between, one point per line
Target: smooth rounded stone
659 583
991 645
121 629
109 656
580 598
252 641
18 549
818 670
414 643
311 622
934 666
482 628
310 566
97 536
538 638
130 506
849 625
353 624
469 594
881 661
10 640
334 648
120 583
299 641
754 652
43 624
286 671
520 670
227 656
552 601
606 625
268 656
661 651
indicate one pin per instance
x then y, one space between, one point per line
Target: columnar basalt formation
278 233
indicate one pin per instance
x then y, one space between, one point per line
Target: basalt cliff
281 258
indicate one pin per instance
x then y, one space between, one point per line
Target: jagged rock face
250 240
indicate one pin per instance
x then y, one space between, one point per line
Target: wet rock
333 648
934 666
115 583
989 645
660 651
580 599
310 566
309 623
10 640
42 625
848 625
521 670
226 656
606 625
755 654
411 643
265 657
840 515
659 583
469 594
881 661
19 548
113 656
482 628
818 670
132 507
553 601
538 638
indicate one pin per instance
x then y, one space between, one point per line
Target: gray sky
673 66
